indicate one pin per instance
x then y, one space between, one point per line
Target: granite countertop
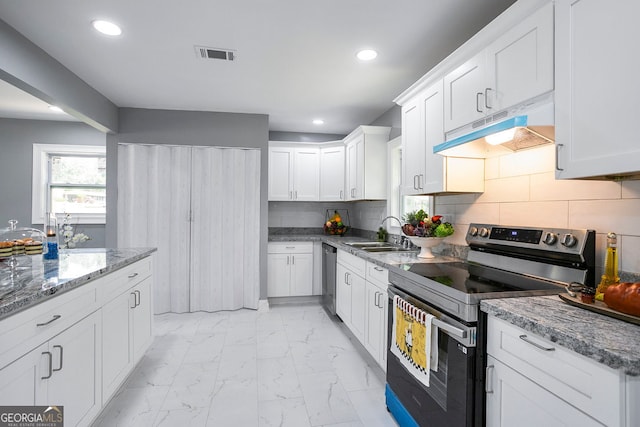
609 341
32 279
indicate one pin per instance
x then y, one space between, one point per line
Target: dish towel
414 339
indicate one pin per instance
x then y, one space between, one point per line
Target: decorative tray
599 307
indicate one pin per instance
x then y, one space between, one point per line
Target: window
69 179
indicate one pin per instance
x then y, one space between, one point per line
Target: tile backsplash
521 189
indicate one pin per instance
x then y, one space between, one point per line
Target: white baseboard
263 305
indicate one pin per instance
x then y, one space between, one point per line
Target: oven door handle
449 328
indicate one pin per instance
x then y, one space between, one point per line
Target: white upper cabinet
515 67
423 171
332 173
366 163
597 88
294 173
520 63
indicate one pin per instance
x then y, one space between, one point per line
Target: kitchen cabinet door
520 62
358 306
75 379
597 88
376 328
355 171
117 355
413 146
332 167
343 294
464 93
280 173
141 322
21 382
515 400
306 174
301 275
278 275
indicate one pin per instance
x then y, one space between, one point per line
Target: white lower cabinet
64 371
74 350
290 269
361 302
531 381
126 334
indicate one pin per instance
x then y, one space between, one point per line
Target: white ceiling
295 59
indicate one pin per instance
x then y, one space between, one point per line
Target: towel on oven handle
414 339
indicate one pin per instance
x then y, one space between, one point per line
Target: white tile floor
289 366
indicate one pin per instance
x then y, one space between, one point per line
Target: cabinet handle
487 379
558 168
50 365
295 195
55 317
293 259
478 102
421 182
486 97
131 276
137 295
341 194
415 185
287 259
535 344
291 195
134 299
61 353
378 268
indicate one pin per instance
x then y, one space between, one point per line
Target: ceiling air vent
215 53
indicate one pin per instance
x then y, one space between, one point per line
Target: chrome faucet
389 217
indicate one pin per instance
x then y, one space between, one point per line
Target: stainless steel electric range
503 262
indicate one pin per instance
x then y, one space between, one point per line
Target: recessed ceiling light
318 122
106 27
367 54
56 109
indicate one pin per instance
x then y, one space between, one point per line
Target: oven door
449 398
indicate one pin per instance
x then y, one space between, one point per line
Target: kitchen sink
387 249
378 247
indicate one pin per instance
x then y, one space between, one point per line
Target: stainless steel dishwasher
329 258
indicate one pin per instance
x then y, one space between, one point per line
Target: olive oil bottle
610 276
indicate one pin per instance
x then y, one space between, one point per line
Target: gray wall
26 66
193 128
16 163
392 118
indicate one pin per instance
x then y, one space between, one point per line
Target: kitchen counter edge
606 340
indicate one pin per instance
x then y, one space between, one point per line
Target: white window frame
41 154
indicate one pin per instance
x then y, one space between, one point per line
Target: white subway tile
629 253
478 212
535 160
631 189
619 216
545 186
513 189
535 214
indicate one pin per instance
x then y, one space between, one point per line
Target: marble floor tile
283 413
326 399
292 365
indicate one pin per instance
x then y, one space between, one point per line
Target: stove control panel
567 241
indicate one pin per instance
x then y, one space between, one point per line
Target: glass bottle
610 275
51 230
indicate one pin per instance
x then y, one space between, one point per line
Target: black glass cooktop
475 279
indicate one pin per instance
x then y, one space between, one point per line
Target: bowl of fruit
335 224
426 232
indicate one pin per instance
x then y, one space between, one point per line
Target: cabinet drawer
377 275
123 279
589 386
290 248
356 264
28 329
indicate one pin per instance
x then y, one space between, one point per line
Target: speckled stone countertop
32 279
612 342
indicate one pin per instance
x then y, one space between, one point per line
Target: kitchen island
73 329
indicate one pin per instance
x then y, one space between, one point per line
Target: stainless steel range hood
524 126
